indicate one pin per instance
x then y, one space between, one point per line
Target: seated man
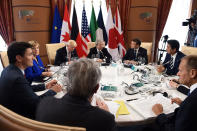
184 118
100 52
135 52
173 58
15 91
66 53
75 108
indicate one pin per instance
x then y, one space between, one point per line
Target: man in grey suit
75 108
16 93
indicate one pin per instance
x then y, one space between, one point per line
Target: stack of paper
144 107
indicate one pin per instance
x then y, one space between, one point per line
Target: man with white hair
100 52
66 53
75 108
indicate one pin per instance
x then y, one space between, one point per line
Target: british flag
85 32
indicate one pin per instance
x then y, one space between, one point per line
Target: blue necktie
188 93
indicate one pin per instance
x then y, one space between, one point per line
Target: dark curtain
162 15
124 6
61 5
6 21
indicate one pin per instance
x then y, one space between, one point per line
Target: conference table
130 90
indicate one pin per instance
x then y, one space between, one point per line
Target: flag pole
117 3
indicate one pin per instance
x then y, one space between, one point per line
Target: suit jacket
75 111
184 117
34 73
104 54
16 93
141 53
183 89
177 61
61 55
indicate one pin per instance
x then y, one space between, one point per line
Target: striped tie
135 54
171 63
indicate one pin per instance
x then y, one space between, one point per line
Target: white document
113 107
144 107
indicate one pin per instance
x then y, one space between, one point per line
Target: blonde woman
37 71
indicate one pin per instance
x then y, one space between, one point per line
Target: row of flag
112 33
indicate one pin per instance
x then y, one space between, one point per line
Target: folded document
144 106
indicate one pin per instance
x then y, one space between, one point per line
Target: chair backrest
148 46
10 121
91 45
51 51
4 58
189 50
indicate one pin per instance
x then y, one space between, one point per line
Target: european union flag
57 25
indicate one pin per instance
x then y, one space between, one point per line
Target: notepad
122 109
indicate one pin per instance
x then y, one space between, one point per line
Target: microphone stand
162 50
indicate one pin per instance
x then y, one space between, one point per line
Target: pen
132 99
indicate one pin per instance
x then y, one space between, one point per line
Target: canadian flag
112 38
119 34
66 27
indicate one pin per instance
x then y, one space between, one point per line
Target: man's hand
177 100
133 62
46 74
126 61
157 109
160 68
51 83
57 88
70 62
173 83
102 105
99 60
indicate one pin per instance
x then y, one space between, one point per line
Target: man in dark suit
100 52
173 58
184 118
75 108
135 53
16 93
66 53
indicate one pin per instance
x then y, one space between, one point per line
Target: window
3 47
179 12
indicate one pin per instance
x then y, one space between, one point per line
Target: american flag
85 32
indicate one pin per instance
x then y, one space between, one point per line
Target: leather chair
148 46
189 50
10 121
91 45
51 51
4 58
